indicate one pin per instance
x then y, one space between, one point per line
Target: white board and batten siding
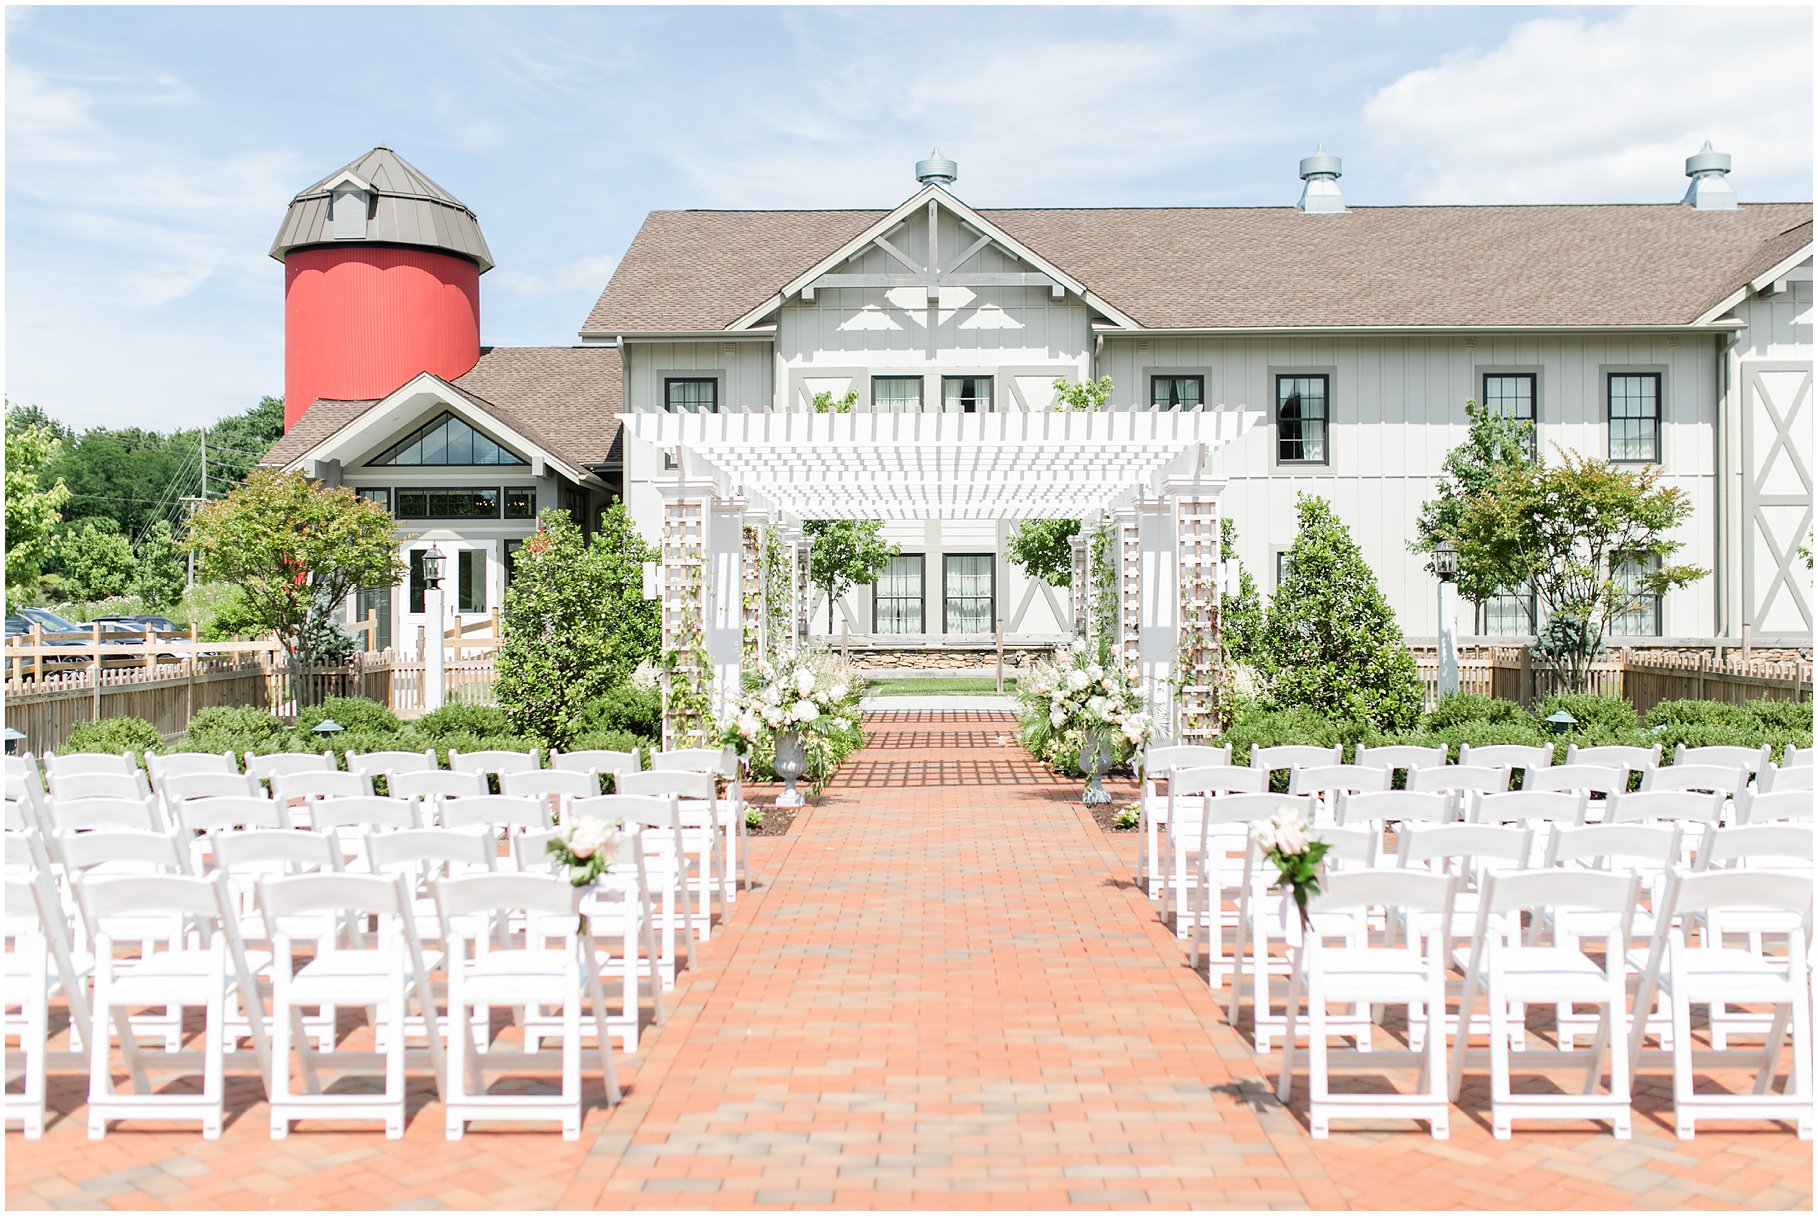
1397 407
1767 499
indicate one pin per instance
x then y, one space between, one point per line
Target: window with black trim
897 596
966 394
376 494
448 504
445 440
470 580
896 394
1634 412
376 603
1281 566
419 581
1302 411
1177 392
969 592
1642 619
510 561
520 502
691 394
1513 395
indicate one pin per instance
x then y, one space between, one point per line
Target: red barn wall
360 322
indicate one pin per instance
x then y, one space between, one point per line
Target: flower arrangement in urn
586 848
1077 710
797 717
1283 839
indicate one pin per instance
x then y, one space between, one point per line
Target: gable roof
1261 267
564 399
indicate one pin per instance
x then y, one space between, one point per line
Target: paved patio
944 992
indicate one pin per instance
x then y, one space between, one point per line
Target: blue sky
150 152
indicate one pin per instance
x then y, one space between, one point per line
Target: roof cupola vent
1710 190
937 170
1321 195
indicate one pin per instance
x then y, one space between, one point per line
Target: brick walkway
945 992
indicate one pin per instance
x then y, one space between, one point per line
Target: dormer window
444 440
349 204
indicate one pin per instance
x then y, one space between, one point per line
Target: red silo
381 282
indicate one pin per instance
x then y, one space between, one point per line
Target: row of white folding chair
192 954
1511 973
1776 778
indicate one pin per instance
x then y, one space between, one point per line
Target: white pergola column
1078 592
1158 635
751 594
1127 560
725 600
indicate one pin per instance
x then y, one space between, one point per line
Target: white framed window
966 394
897 597
1633 402
1177 392
968 592
1643 619
1514 395
896 394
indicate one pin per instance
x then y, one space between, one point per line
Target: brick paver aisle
943 991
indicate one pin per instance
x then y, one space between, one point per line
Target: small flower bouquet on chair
1283 840
586 848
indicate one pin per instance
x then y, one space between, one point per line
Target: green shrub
351 713
1670 734
1604 736
1782 716
114 735
1277 728
1591 710
1702 713
1462 707
466 720
613 741
1491 734
479 743
237 729
626 707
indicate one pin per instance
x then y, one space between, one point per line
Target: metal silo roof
408 209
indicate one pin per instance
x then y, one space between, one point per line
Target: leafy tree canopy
575 623
34 503
1494 445
845 553
1044 549
1082 397
90 561
1241 613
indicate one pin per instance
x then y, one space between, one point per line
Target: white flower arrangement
586 847
1078 695
1284 839
806 692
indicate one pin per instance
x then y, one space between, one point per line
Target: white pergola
746 482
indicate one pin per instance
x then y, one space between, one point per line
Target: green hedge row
624 720
1482 721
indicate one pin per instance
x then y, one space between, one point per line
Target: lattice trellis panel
1130 587
1200 660
1081 589
684 615
798 610
751 589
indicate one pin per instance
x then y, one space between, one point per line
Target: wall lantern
1445 560
433 562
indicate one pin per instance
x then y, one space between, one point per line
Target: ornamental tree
1241 614
89 560
845 553
1592 540
1494 444
1044 549
32 508
575 623
1330 640
296 549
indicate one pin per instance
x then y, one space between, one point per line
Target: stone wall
945 658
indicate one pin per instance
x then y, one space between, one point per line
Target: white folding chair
1541 811
550 784
30 985
1796 757
1288 756
1395 758
551 964
1521 758
1379 809
73 787
495 763
99 814
196 960
1325 782
617 907
1261 905
1364 974
295 787
1714 974
77 763
181 787
264 768
188 764
1190 794
1599 779
665 853
1511 974
500 815
1218 867
378 764
247 857
378 970
1752 760
1469 852
1696 812
723 763
1153 766
698 806
599 760
1774 806
1776 779
1627 757
348 820
28 858
1781 847
1696 777
435 783
1468 781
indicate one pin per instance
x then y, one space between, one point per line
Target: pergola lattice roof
1048 465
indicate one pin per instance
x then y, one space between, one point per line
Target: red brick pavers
944 992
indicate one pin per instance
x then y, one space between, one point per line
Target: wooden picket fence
1646 679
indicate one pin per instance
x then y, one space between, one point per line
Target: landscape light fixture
1445 560
13 738
1561 721
433 562
327 728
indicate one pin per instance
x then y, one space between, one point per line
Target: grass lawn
939 686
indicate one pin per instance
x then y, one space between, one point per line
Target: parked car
60 631
159 624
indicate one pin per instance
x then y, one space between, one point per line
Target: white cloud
1604 109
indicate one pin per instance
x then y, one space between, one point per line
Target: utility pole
193 499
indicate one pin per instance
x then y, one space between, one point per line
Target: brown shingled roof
1263 267
565 399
